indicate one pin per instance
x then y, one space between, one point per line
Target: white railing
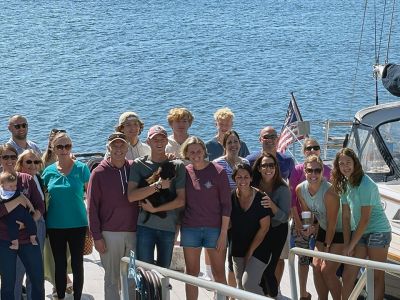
221 290
369 265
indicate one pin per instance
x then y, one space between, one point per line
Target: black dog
165 171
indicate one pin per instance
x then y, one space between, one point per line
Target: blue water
78 64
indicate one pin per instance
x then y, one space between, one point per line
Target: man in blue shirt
269 141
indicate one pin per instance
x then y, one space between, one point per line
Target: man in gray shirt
18 126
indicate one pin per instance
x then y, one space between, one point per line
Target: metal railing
369 265
222 290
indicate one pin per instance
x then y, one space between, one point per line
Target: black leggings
75 237
275 239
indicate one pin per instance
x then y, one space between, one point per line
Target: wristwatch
158 186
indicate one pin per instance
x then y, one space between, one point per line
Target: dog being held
165 171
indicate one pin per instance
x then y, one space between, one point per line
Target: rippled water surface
79 64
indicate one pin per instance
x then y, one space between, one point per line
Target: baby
8 192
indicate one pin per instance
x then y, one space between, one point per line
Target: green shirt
366 194
65 207
143 168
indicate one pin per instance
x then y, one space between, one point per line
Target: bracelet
326 245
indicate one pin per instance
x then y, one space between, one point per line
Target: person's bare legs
192 261
328 270
303 276
208 265
217 260
350 272
280 267
378 254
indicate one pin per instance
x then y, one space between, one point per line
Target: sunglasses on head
315 148
62 147
36 162
315 171
54 130
7 157
22 125
268 165
269 136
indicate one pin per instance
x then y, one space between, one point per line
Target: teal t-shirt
65 207
366 194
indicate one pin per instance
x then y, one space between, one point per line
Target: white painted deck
94 286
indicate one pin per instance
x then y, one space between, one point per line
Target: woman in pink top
207 213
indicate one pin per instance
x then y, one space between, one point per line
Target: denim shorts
197 237
375 239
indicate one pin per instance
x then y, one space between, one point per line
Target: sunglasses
315 148
7 157
269 136
315 171
22 125
54 130
62 147
268 165
36 162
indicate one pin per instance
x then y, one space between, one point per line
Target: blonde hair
191 141
48 156
58 136
18 165
223 114
178 113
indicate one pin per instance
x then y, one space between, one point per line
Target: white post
370 284
292 274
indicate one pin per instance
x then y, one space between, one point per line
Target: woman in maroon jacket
29 254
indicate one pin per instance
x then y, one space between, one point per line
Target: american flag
290 131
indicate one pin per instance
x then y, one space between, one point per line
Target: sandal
69 289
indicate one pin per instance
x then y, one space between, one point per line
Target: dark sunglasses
22 125
269 136
315 148
7 157
315 171
36 162
54 130
268 165
62 147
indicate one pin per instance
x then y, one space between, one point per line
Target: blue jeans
31 257
149 239
20 269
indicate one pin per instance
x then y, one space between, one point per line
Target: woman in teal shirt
363 214
66 217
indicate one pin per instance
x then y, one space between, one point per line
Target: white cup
306 216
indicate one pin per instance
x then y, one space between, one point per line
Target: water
79 64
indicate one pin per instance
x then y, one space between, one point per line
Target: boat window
390 133
370 157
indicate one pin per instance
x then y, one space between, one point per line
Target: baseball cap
156 129
116 136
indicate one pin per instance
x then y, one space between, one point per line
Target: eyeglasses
22 125
315 171
7 157
269 136
268 165
62 147
36 162
315 148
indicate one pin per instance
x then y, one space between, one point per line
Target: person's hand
165 183
36 215
100 246
21 225
308 231
348 250
26 203
266 202
247 257
221 242
147 206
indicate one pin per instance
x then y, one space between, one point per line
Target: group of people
220 197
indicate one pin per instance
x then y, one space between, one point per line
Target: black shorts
337 238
